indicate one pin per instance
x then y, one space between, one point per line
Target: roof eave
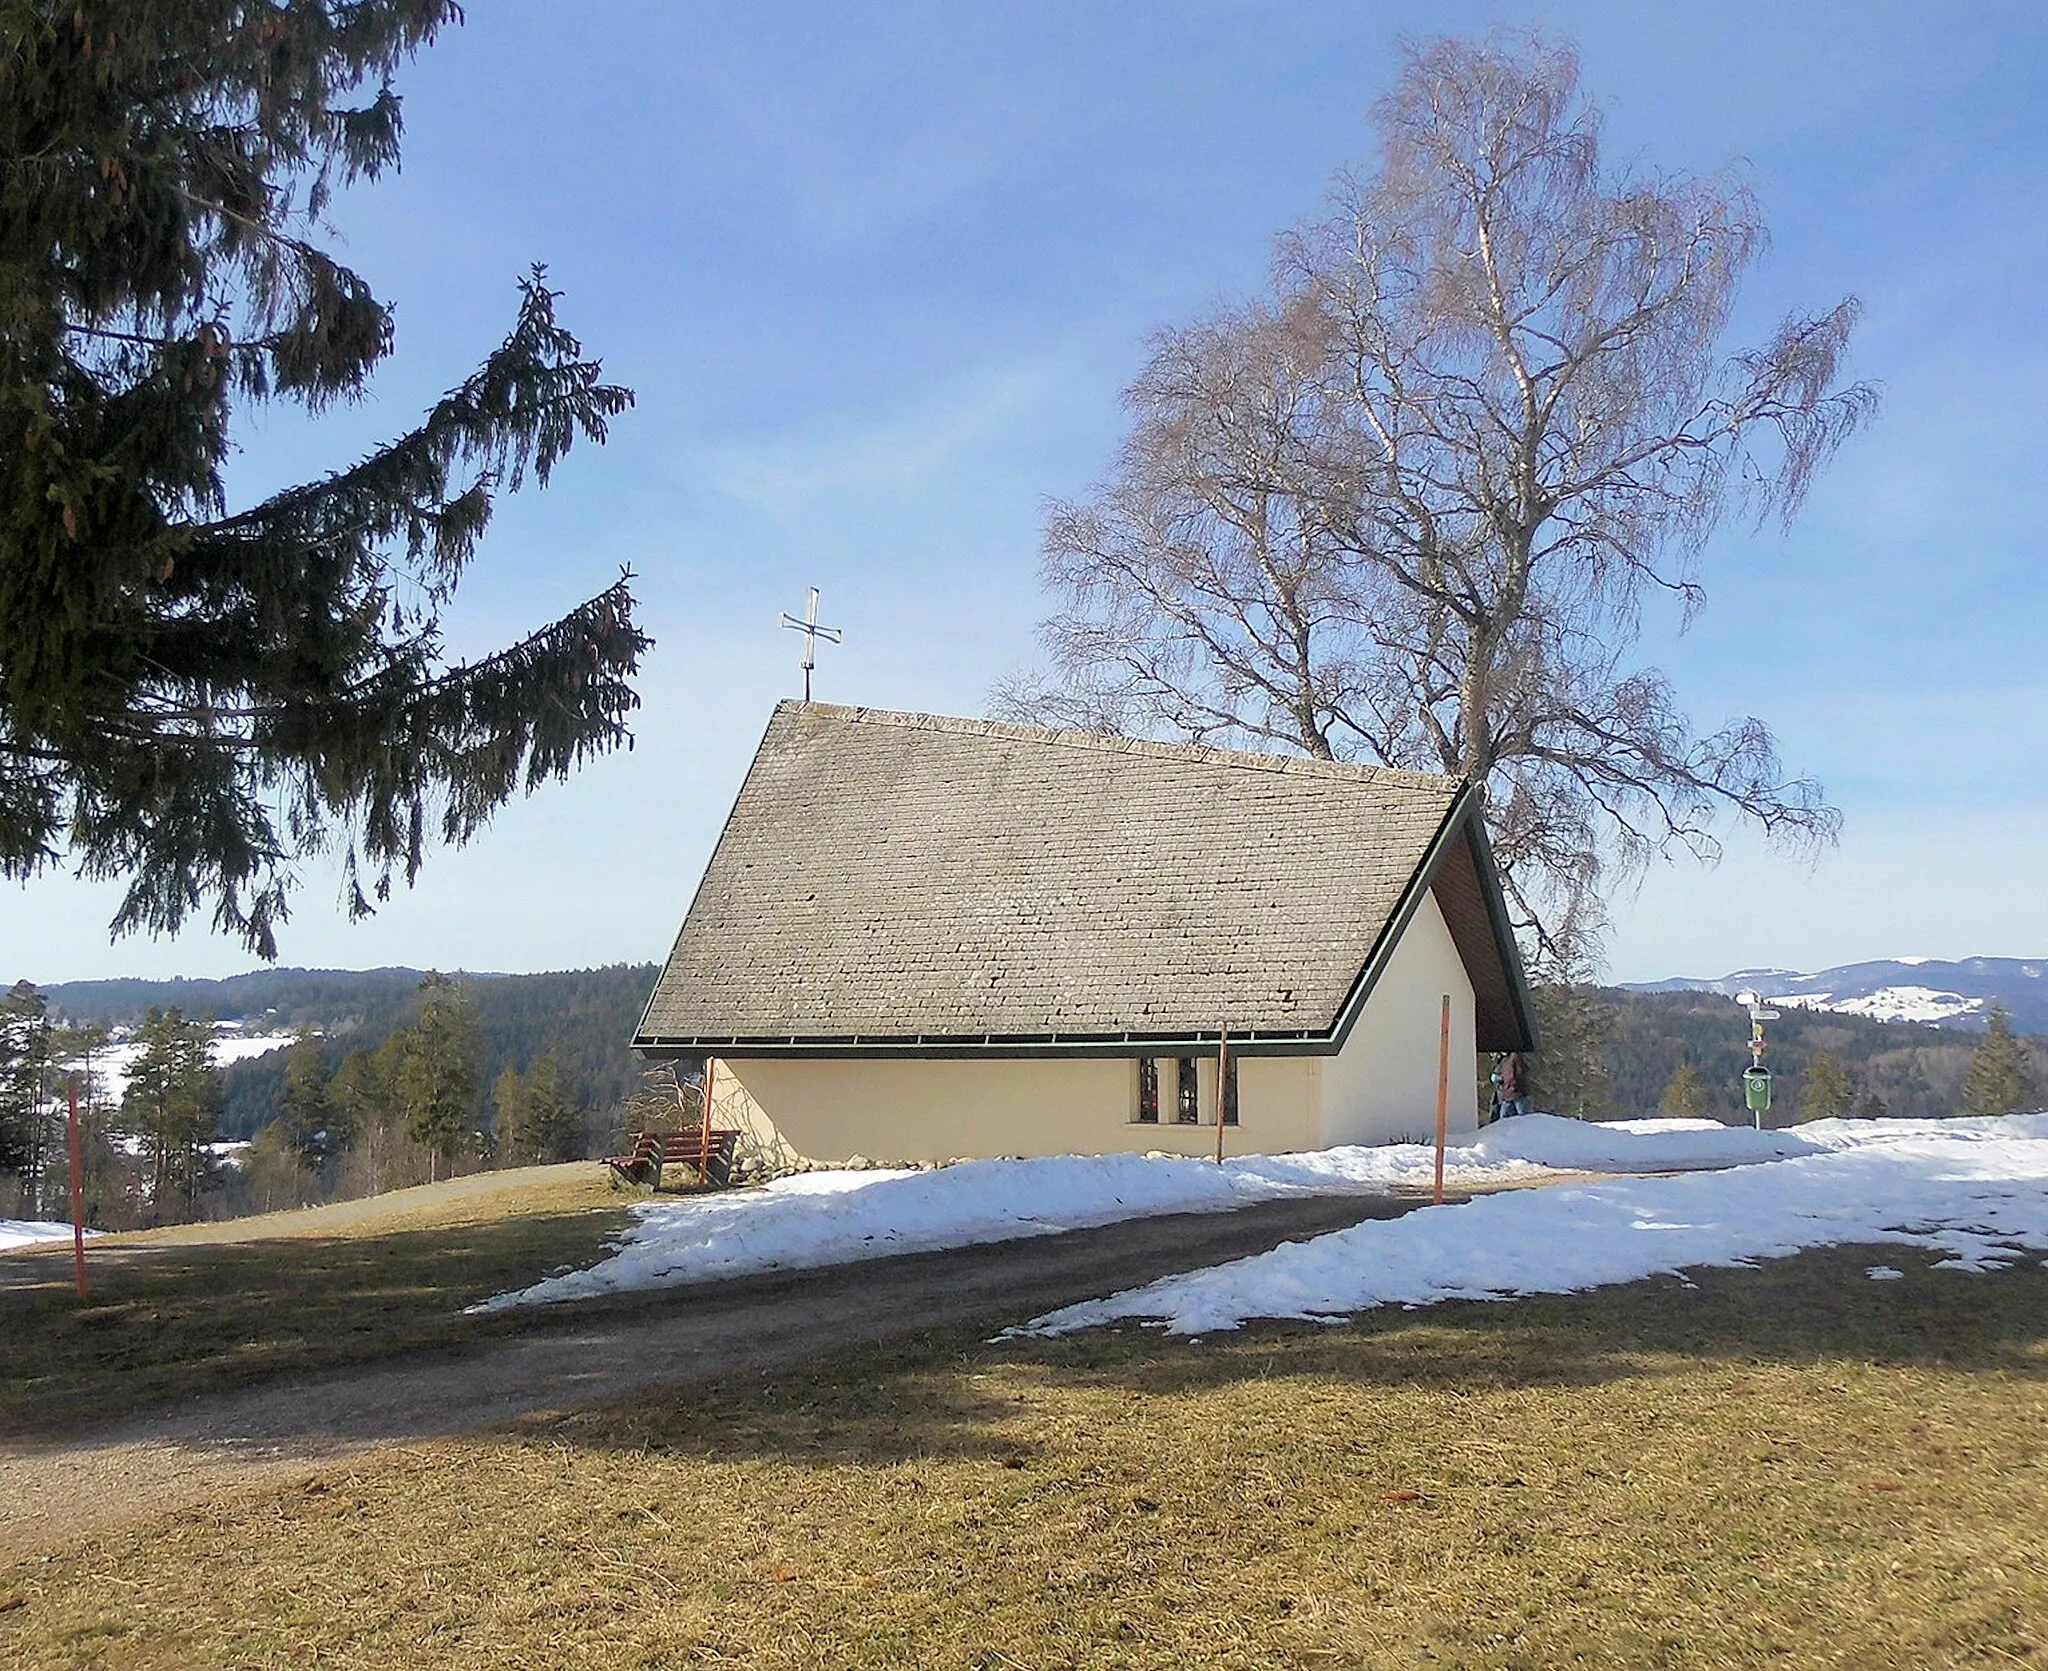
1289 1042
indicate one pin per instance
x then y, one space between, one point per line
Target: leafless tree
1407 506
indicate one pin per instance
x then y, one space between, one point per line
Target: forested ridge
584 1017
1635 1043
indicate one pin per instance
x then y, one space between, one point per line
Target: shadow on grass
948 1394
169 1322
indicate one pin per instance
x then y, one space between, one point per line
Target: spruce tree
172 1104
1825 1087
1577 1028
537 1123
193 695
437 1070
79 1052
554 1124
304 1100
1685 1097
25 1063
508 1100
2001 1077
358 1112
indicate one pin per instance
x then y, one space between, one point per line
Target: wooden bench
657 1150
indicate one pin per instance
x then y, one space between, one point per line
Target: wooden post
1443 1098
704 1114
1222 1079
77 1194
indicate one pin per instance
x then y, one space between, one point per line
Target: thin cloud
897 453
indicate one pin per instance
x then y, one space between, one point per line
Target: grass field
199 1308
1792 1465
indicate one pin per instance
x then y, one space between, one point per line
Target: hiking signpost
1756 1078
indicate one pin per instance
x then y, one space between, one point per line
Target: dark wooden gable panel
1501 1019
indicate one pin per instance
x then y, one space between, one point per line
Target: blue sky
878 274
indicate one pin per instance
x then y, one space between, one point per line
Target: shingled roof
911 884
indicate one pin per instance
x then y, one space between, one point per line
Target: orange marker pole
704 1126
1443 1099
77 1194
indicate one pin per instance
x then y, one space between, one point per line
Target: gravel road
581 1356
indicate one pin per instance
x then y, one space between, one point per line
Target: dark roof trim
1504 936
1404 913
1126 1045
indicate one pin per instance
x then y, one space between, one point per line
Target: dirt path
582 1356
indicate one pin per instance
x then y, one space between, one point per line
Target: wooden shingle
905 879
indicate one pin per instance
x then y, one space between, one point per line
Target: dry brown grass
1790 1465
179 1312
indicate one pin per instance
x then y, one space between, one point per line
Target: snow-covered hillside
1924 989
1892 1003
112 1065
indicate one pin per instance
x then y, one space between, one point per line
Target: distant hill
1911 1067
585 1016
265 1000
1918 989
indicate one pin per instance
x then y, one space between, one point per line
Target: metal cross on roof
812 632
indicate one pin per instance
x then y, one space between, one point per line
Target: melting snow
20 1232
1694 1193
1970 1189
826 1218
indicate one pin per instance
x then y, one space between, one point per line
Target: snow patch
23 1232
827 1218
1971 1189
1891 1003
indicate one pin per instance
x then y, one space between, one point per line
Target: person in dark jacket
1512 1080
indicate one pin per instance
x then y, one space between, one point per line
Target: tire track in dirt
597 1352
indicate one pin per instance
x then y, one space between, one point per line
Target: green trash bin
1756 1089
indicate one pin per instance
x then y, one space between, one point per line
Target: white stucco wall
921 1109
1383 1084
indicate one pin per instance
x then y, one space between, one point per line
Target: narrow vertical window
1148 1090
1187 1093
1228 1096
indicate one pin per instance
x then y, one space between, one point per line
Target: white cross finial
812 632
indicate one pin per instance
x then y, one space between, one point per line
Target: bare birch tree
1406 507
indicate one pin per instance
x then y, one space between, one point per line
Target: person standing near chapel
1514 1084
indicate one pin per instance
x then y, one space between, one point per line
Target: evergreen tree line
1609 1054
462 1074
142 1161
511 1070
583 1017
417 1108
